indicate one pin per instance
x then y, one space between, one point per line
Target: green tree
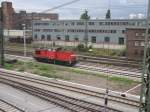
108 14
85 16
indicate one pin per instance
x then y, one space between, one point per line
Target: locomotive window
38 52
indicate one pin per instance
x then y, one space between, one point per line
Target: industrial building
105 31
16 36
135 42
13 20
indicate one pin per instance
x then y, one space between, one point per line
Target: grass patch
8 66
53 71
78 71
41 69
115 79
122 80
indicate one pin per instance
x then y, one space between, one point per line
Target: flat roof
93 20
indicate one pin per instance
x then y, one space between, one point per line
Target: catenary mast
1 40
145 89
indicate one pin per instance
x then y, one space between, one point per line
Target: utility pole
86 33
145 89
1 40
24 40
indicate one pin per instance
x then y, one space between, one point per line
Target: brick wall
135 43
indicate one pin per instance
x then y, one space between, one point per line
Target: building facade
13 20
95 31
7 13
135 42
17 36
26 18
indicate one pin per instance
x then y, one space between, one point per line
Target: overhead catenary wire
62 5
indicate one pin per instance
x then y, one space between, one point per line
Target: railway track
121 71
133 67
7 107
20 53
110 61
102 60
17 79
112 70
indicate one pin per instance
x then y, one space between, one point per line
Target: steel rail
13 107
90 93
73 104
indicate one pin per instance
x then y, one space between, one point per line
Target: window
113 31
37 30
35 37
148 31
136 34
91 23
72 23
38 52
142 44
139 34
136 43
107 23
123 31
37 24
54 24
80 23
142 53
143 34
107 39
93 39
101 23
58 38
76 39
135 52
121 41
43 37
48 37
67 38
47 30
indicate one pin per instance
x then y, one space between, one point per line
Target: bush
90 47
81 47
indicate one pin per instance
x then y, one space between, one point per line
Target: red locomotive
55 56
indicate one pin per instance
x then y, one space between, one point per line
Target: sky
96 8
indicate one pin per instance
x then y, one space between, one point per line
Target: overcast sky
96 8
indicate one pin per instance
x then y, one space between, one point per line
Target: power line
97 7
56 7
62 5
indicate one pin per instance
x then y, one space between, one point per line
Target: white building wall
64 25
